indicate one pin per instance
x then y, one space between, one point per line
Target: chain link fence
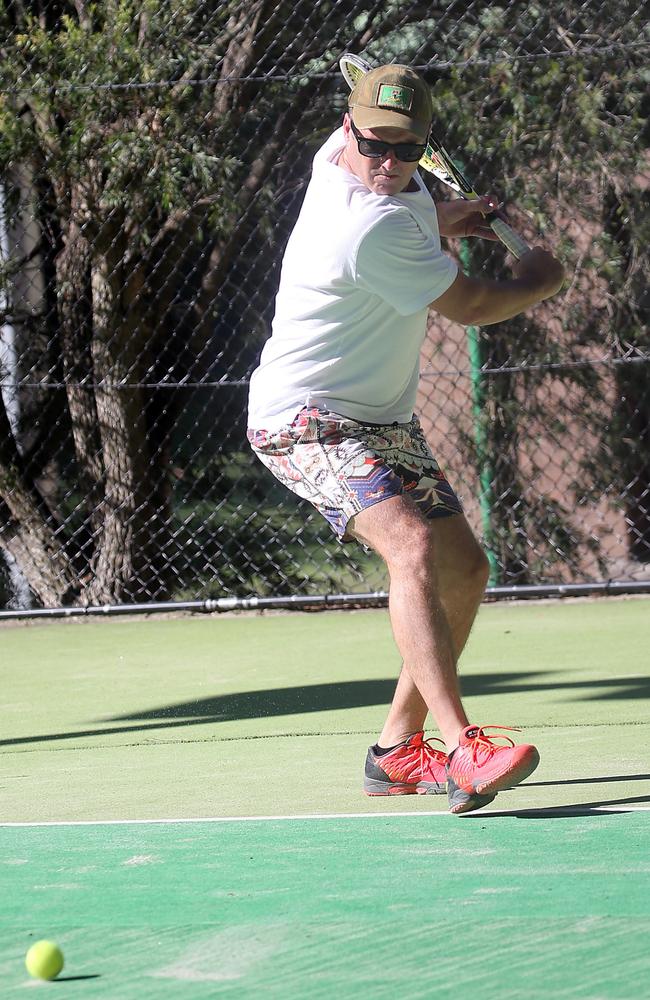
153 158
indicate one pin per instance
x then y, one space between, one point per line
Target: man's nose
389 159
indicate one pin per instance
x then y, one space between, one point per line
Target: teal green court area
382 907
182 811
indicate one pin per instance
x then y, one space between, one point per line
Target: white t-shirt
358 274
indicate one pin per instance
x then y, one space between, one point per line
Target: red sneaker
479 768
412 767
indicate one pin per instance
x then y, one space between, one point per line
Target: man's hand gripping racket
439 163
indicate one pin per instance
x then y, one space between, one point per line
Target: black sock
382 751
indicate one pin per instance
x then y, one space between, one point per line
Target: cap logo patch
393 96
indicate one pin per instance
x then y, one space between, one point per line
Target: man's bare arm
479 301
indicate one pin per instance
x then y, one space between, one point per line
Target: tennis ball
44 960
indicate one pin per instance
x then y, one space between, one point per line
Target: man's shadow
328 697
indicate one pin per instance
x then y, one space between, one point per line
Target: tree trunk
75 317
120 539
133 517
28 531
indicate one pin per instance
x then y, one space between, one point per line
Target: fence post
480 438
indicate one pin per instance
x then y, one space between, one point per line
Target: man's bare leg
438 576
462 573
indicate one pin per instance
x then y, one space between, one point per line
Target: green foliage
84 91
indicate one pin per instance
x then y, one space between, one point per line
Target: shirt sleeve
402 264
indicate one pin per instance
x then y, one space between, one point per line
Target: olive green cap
392 97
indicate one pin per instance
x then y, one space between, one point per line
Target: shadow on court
359 694
589 781
333 697
75 979
601 808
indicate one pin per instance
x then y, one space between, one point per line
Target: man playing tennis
331 414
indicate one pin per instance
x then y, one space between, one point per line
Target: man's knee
463 566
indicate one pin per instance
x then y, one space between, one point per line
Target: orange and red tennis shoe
413 767
479 768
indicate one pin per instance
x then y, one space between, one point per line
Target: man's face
384 174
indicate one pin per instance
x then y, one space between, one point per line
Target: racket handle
510 239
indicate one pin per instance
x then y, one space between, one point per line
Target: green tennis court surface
260 868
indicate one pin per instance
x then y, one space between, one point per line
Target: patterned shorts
342 466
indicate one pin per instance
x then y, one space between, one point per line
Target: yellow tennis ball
44 960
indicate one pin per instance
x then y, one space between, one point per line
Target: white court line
565 810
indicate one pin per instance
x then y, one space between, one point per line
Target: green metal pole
480 437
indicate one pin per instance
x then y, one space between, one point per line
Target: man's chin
387 185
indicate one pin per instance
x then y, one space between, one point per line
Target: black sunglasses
408 152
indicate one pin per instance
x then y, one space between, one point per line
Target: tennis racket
438 162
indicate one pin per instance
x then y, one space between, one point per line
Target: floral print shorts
342 466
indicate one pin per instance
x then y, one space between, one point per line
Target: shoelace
486 744
426 750
419 754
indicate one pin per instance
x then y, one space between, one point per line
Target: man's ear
346 124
